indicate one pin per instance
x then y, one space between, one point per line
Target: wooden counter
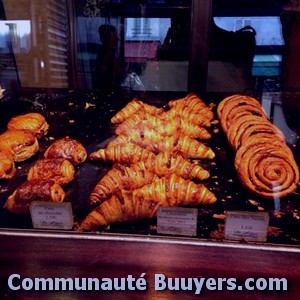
42 254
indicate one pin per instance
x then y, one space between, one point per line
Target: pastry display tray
85 116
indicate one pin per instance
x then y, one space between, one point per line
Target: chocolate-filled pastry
67 148
35 190
23 144
58 169
7 165
34 122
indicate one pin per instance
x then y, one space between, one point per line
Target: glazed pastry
166 163
144 202
58 169
35 190
34 122
264 163
122 153
266 166
67 148
119 177
21 143
7 165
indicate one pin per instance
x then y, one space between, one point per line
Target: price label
247 226
177 221
51 215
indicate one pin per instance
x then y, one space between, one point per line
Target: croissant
144 202
121 153
21 143
191 100
7 165
165 163
119 177
58 169
34 122
67 148
35 190
132 108
129 109
164 127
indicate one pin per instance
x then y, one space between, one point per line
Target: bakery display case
115 115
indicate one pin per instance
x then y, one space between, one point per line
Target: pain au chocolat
35 190
34 122
22 144
67 148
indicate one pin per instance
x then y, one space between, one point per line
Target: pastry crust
34 122
23 144
264 163
58 169
67 148
35 190
7 165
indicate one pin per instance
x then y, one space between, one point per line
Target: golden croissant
166 163
34 122
191 100
164 127
119 177
132 108
67 148
7 165
144 202
58 169
35 190
152 141
122 153
23 144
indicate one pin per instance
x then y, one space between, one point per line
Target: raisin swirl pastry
36 190
264 163
57 169
67 148
34 122
23 144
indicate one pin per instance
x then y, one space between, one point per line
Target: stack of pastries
152 162
264 163
48 175
20 141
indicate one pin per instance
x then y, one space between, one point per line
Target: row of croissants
47 175
156 161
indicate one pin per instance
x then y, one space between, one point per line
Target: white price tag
247 226
51 215
177 221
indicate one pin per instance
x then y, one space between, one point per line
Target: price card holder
51 215
177 221
247 226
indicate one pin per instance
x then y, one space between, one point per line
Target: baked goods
119 177
67 148
35 190
128 153
144 202
23 144
7 165
34 122
58 169
264 163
